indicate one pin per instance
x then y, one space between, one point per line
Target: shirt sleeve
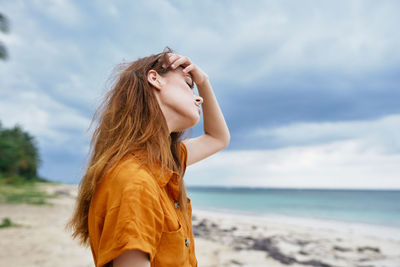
137 223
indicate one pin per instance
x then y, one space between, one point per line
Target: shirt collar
164 175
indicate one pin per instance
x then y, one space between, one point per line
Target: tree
18 153
4 27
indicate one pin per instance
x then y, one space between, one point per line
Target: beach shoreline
221 239
342 227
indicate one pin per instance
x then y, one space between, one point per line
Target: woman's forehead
179 71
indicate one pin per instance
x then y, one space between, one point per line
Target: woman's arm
216 133
132 258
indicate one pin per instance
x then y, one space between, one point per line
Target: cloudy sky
310 89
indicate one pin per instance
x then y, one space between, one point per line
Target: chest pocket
172 250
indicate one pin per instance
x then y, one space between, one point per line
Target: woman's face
180 106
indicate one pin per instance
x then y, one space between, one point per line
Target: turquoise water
362 206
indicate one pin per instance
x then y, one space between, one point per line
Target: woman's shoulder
129 172
126 178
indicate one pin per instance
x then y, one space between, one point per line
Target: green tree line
19 155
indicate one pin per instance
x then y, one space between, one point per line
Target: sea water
372 207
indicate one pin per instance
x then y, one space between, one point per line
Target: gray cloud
271 63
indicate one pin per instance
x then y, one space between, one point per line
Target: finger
169 59
172 58
189 68
180 61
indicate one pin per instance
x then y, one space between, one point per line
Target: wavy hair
128 119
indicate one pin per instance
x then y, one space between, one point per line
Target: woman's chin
196 120
190 123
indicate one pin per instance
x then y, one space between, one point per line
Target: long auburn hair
129 119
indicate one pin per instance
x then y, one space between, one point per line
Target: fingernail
173 65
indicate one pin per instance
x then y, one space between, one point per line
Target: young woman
132 206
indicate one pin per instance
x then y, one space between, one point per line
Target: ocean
371 207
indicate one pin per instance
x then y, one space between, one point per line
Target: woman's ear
154 79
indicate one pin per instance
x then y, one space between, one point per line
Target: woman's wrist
204 82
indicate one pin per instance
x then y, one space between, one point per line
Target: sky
310 90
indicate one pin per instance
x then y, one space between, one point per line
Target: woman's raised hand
198 75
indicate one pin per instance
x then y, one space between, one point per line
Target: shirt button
177 206
187 242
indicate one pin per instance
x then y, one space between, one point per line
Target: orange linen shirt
137 208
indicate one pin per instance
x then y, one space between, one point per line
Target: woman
132 207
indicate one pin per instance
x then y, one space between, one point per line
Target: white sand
42 241
303 240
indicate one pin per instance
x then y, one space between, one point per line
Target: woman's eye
190 85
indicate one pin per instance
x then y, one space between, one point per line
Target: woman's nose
199 100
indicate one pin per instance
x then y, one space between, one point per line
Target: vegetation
8 223
19 161
23 192
19 155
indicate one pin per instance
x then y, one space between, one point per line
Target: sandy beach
221 239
